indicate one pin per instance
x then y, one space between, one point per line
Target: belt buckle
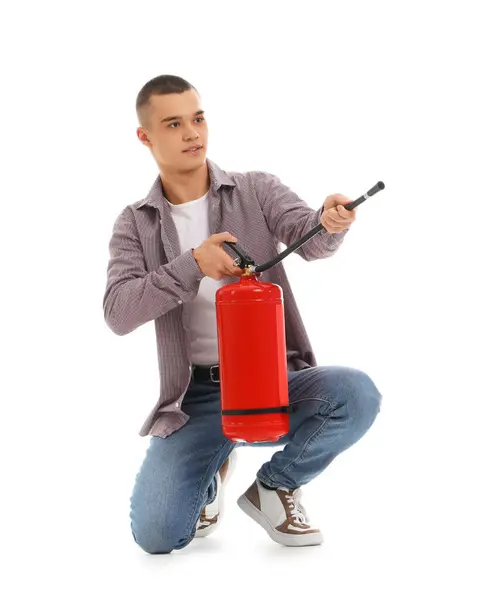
211 375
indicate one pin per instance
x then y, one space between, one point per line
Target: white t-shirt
192 225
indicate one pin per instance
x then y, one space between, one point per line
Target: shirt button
177 404
180 302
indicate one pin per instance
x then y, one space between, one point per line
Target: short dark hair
162 84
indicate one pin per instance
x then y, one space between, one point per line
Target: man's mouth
193 148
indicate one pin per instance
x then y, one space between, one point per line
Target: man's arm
135 296
289 218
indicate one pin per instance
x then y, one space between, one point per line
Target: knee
152 543
360 396
157 535
364 400
156 538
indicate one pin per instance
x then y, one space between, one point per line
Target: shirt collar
217 176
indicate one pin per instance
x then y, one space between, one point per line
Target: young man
166 264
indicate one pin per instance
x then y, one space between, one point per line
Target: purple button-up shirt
149 278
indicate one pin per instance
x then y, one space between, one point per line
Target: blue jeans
333 407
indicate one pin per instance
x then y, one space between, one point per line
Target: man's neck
181 187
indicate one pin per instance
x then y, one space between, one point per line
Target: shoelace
296 509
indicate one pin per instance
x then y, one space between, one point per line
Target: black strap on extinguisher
244 261
257 411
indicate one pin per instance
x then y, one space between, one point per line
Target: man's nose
191 134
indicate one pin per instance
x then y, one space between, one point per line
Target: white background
331 97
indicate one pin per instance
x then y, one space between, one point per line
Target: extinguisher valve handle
243 261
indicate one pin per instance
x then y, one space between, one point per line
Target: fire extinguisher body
252 360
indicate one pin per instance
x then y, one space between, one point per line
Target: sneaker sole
208 530
286 539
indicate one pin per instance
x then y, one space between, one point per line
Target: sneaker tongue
287 490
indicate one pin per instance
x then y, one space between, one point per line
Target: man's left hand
335 218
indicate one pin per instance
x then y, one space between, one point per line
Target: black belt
205 374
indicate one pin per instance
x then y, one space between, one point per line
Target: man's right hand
213 260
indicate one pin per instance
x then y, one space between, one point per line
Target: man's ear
141 134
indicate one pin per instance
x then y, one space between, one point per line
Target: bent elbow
115 319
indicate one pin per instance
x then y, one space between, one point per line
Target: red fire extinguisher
252 348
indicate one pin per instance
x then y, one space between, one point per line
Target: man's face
176 122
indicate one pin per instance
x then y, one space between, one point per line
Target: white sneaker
209 517
281 514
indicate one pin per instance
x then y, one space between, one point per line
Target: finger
228 265
347 215
338 199
233 269
226 258
225 236
343 212
341 215
335 217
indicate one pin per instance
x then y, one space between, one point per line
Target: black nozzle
371 192
376 188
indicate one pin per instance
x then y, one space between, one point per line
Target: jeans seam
331 403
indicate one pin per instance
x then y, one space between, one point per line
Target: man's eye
171 126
